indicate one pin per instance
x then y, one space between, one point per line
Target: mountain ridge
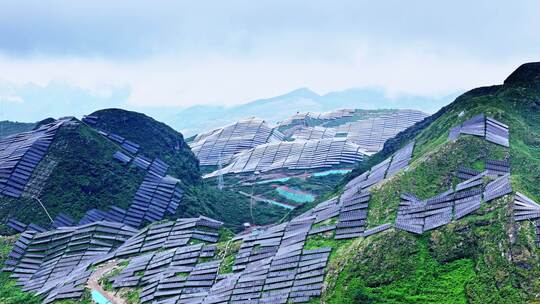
198 119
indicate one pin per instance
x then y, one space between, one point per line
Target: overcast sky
182 53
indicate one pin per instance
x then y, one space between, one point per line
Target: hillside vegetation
82 175
483 258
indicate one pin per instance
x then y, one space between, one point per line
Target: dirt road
93 282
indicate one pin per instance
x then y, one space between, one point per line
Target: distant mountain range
59 99
198 119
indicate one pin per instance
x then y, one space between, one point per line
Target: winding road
93 282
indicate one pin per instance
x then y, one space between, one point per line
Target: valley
346 206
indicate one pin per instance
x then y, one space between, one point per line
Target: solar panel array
171 235
497 132
251 145
222 144
497 188
90 119
272 264
21 153
351 208
385 169
122 157
294 155
127 145
466 173
155 197
417 216
307 133
492 130
19 226
54 263
525 209
274 267
301 118
498 167
62 220
371 134
352 214
57 264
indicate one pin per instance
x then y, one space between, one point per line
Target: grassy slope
85 177
483 258
159 140
155 138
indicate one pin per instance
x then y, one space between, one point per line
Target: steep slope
449 235
485 257
75 172
156 139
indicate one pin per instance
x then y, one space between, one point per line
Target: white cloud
11 99
210 79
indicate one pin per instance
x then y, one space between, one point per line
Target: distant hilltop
198 119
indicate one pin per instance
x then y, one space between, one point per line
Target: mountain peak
526 73
303 92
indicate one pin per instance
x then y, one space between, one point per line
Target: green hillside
79 173
156 139
483 258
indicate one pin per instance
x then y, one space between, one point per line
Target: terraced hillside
484 257
446 217
125 166
299 159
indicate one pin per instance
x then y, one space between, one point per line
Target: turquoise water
329 172
279 204
99 298
284 179
295 196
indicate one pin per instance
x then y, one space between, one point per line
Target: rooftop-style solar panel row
492 130
466 173
21 153
54 263
369 133
121 157
57 264
126 144
294 155
220 145
498 167
497 132
19 226
302 118
90 119
417 216
525 209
